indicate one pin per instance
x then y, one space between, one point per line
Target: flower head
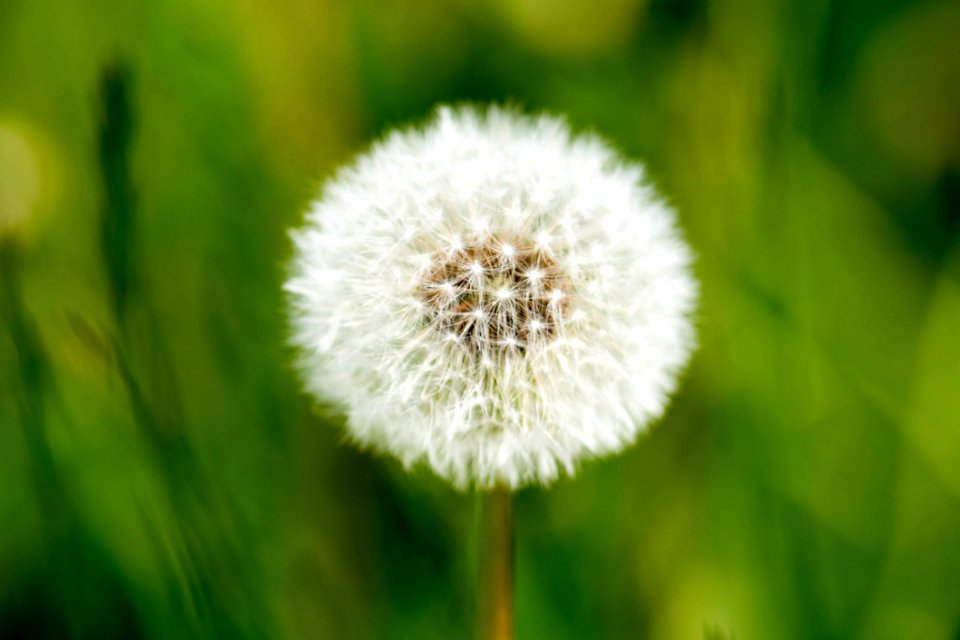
493 296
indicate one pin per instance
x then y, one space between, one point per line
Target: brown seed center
497 293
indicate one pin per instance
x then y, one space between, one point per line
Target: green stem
495 566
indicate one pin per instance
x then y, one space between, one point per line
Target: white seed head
492 296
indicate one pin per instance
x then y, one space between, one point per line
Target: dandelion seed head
499 299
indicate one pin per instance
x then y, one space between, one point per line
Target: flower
493 296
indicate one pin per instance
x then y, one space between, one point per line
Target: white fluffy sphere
492 295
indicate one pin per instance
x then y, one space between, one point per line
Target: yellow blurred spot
19 176
26 175
704 603
572 27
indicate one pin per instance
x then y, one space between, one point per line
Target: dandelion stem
495 566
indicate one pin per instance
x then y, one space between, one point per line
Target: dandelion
492 296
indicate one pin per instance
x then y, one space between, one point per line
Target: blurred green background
163 476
